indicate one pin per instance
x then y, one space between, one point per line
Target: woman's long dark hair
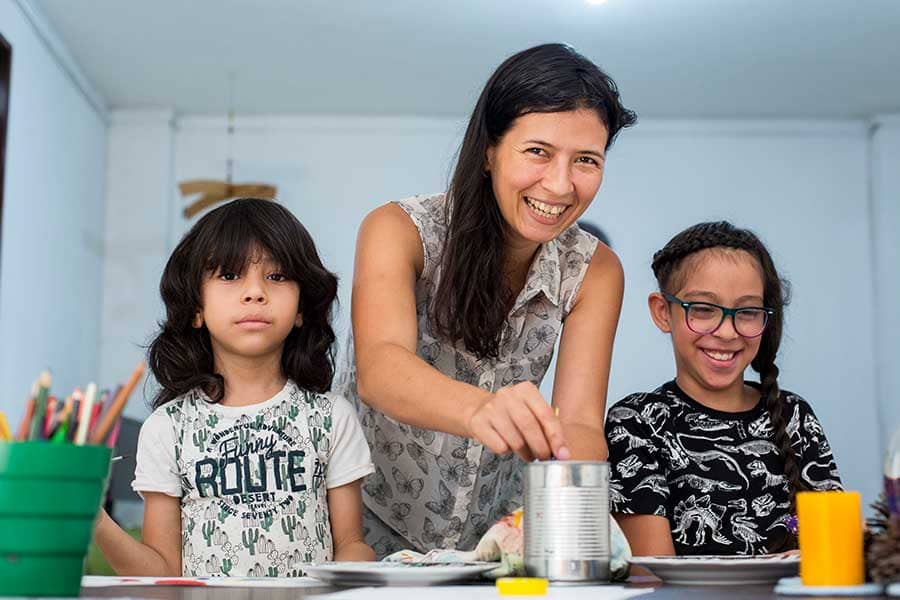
469 304
670 269
227 238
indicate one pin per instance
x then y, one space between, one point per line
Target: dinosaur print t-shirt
718 477
252 479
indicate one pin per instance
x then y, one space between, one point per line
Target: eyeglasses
705 317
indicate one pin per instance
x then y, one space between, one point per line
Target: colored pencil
22 431
49 418
95 414
5 433
114 436
40 406
84 415
108 399
59 435
109 419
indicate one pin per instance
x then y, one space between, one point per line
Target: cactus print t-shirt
718 477
252 479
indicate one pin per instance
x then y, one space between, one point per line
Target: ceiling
670 58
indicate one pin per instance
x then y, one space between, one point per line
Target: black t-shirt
717 476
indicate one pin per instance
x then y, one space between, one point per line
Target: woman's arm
648 535
585 352
392 379
159 552
345 516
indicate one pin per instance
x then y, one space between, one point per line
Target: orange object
22 431
115 409
831 539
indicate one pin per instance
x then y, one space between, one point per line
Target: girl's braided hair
670 268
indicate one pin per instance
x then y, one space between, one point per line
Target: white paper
89 581
486 592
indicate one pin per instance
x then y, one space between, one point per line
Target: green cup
49 497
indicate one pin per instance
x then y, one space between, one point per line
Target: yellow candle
831 540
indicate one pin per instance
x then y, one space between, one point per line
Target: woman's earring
298 322
198 321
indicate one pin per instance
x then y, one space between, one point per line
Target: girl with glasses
709 463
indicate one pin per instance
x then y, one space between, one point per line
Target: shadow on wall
595 231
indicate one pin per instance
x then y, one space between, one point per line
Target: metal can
566 522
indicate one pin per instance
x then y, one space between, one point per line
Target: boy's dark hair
228 238
671 272
469 305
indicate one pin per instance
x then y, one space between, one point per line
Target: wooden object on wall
214 192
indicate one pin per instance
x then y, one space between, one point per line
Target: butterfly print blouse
440 490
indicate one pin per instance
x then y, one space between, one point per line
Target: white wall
51 256
137 236
885 211
802 186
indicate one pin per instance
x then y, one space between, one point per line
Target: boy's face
712 362
249 314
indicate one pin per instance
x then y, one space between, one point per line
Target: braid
786 540
667 267
720 234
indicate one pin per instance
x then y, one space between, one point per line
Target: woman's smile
545 212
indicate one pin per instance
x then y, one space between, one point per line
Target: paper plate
384 573
719 570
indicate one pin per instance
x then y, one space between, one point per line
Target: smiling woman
459 298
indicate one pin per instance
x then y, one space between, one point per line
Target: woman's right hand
517 418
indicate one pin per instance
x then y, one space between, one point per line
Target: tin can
566 520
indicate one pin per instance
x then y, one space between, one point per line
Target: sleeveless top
440 490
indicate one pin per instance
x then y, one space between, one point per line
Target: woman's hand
517 418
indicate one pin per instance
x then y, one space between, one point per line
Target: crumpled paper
503 543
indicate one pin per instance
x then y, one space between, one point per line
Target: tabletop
660 592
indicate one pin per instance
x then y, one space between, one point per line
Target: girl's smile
720 359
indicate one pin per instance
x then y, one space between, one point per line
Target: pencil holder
49 497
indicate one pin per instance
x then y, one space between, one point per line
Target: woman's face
546 170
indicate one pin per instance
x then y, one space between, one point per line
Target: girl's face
546 170
714 362
249 314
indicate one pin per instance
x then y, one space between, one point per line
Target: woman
458 299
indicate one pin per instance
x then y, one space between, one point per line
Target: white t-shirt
252 479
